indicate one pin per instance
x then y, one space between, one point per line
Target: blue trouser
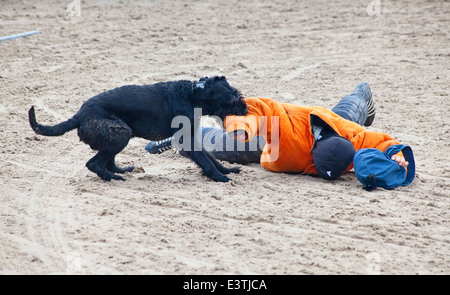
354 106
226 148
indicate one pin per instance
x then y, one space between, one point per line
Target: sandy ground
56 217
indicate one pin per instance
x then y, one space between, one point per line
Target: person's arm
244 128
262 114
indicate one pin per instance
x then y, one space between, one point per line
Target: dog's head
218 98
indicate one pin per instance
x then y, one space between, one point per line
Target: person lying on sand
301 139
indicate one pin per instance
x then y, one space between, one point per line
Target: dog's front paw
235 170
123 170
117 177
220 178
224 170
113 177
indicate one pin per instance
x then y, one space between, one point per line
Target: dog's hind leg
99 163
109 137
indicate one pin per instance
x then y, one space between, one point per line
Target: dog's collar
199 84
194 86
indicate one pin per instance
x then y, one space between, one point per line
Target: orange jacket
287 130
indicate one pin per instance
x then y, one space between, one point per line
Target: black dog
110 119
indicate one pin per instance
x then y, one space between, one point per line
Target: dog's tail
56 130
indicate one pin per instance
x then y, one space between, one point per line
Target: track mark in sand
33 168
51 69
33 223
298 71
336 234
44 222
358 235
182 206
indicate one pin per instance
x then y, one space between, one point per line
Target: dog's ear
205 88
